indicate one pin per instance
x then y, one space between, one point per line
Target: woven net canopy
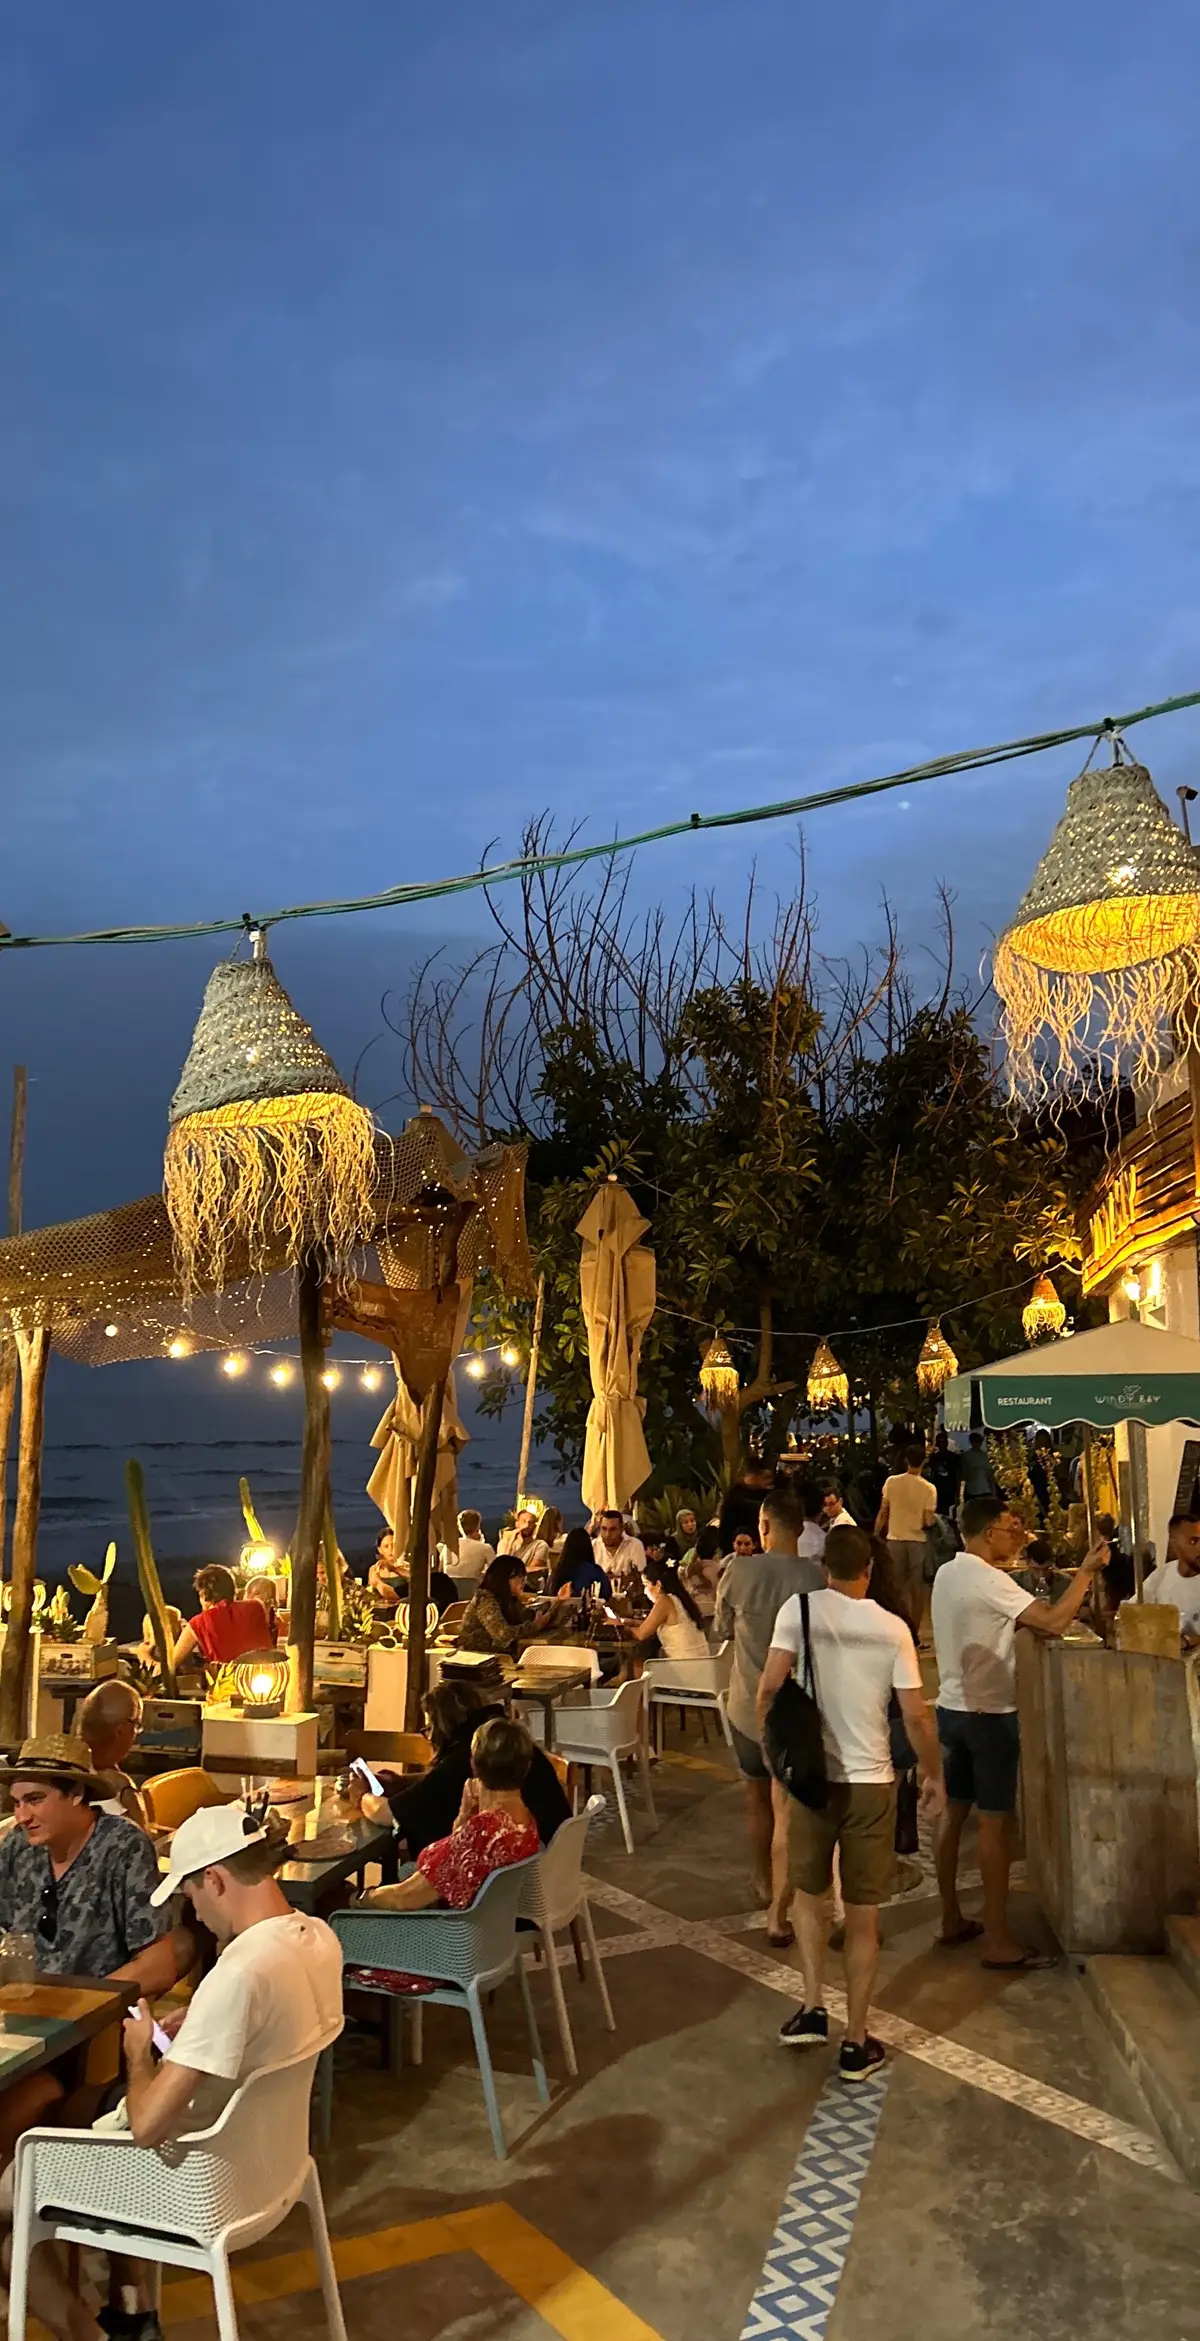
1103 956
118 1269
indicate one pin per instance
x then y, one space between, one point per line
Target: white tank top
681 1638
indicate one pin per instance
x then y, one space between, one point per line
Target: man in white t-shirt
274 1997
474 1554
621 1555
1177 1579
860 1655
906 1514
977 1608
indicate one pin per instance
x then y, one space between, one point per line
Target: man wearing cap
274 1997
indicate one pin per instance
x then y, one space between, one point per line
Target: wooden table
309 1884
58 2013
544 1687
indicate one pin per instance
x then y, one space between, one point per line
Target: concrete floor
1014 2187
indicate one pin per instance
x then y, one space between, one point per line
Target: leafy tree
816 1147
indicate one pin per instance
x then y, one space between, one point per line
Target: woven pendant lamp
828 1386
1103 955
266 1142
718 1374
937 1363
1043 1313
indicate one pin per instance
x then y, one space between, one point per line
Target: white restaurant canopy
1122 1372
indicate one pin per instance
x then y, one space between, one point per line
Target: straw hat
56 1759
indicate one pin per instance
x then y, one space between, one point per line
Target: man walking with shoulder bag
858 1655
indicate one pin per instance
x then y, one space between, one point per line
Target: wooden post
33 1352
417 1555
8 1346
314 1488
530 1390
148 1577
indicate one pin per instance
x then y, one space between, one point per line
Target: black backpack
793 1742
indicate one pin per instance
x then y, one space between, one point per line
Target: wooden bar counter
1109 1801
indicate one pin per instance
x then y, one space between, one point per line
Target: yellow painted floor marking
570 2301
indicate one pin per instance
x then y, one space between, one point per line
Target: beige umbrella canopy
616 1277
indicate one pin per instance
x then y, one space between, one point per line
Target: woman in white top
674 1617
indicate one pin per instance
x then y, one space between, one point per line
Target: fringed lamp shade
937 1363
1103 955
266 1143
718 1375
1043 1313
828 1386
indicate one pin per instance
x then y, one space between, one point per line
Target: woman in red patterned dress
494 1827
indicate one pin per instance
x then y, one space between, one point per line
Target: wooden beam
33 1351
314 1489
417 1555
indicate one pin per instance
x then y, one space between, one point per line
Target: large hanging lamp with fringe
719 1383
828 1386
936 1364
266 1147
1103 956
1043 1313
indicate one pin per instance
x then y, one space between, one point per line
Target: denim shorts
981 1755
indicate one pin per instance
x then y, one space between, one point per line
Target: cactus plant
95 1624
147 1569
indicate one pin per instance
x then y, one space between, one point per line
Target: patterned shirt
457 1865
104 1916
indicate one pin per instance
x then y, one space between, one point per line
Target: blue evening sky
414 418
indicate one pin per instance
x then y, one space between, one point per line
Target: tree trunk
33 1351
417 1556
8 1345
731 1442
148 1577
530 1391
314 1489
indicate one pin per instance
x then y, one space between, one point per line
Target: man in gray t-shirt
751 1592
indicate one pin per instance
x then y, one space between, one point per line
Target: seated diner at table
499 1614
108 1724
523 1541
79 1882
577 1571
426 1808
387 1579
494 1828
674 1621
224 1627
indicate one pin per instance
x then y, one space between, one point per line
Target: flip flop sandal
782 1942
969 1932
1032 1964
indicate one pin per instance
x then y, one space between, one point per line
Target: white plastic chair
691 1682
599 1727
190 2202
555 1897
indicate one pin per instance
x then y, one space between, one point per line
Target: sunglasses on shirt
47 1925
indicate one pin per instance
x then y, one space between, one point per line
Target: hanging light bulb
330 1378
370 1377
1043 1313
111 1332
937 1363
828 1387
281 1374
718 1374
180 1347
510 1356
235 1364
476 1368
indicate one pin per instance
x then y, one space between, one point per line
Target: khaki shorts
860 1820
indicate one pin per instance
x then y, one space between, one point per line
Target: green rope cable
502 873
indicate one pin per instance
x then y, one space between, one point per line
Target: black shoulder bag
793 1742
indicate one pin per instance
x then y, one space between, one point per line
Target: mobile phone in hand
161 2039
373 1781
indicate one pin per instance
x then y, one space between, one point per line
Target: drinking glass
18 1965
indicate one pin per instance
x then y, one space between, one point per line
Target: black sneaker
129 2324
860 2060
808 2028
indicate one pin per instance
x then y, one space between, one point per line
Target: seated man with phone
273 1997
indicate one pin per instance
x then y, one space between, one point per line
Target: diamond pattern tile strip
807 2253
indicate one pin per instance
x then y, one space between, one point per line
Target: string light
331 1377
235 1364
281 1370
281 1374
180 1347
370 1377
111 1331
508 1355
476 1368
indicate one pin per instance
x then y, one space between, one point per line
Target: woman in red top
494 1828
223 1627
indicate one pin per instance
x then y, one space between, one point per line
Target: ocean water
195 1432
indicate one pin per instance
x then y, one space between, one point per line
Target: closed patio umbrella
616 1277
